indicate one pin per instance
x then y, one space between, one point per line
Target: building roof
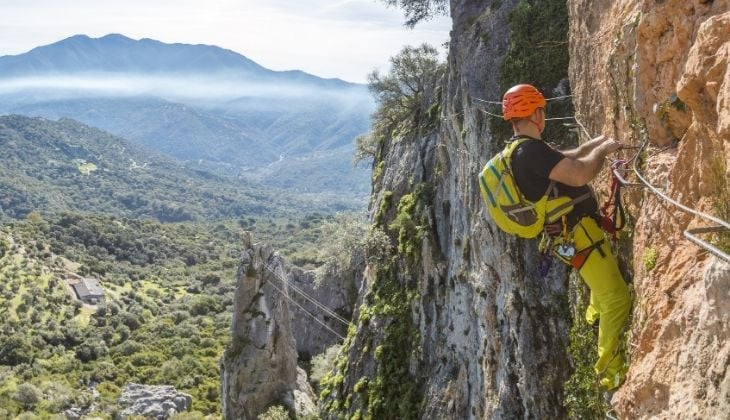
88 287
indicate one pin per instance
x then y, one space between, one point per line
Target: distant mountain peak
119 53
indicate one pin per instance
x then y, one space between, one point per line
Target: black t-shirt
532 162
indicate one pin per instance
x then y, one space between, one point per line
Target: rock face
336 294
658 71
459 325
156 402
259 368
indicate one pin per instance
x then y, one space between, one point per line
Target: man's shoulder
530 149
535 156
531 145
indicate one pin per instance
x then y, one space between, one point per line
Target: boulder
158 402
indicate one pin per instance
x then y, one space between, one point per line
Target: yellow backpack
509 209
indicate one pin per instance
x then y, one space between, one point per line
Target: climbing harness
613 216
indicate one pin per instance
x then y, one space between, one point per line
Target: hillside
66 166
165 320
270 144
197 103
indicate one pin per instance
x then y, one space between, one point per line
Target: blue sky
335 38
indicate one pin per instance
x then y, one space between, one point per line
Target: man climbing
576 237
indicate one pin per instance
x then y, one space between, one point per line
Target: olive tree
405 98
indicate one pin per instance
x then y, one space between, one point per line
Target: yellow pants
609 303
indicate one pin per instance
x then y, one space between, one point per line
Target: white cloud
345 38
212 88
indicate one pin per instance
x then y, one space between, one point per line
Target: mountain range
205 106
116 53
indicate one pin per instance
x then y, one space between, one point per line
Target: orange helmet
521 101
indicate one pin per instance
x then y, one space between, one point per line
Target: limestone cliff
658 72
336 292
458 324
259 368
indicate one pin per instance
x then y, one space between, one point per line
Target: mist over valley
211 108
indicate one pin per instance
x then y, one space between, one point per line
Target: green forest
166 318
162 240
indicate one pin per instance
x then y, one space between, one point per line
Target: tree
405 97
34 217
15 350
419 10
347 243
28 396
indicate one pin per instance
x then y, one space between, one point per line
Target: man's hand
611 145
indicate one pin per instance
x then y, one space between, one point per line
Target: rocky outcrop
658 72
155 402
259 368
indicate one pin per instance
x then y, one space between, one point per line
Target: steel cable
309 298
286 296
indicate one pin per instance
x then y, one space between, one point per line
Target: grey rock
73 413
259 368
336 292
492 338
158 402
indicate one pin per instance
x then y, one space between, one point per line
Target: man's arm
585 148
577 172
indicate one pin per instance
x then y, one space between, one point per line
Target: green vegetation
86 168
419 10
67 166
394 392
649 258
323 363
409 229
537 54
721 200
276 412
405 96
166 316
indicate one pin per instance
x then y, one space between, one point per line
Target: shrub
276 412
28 396
420 10
649 258
324 363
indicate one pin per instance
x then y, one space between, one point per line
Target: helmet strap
539 128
